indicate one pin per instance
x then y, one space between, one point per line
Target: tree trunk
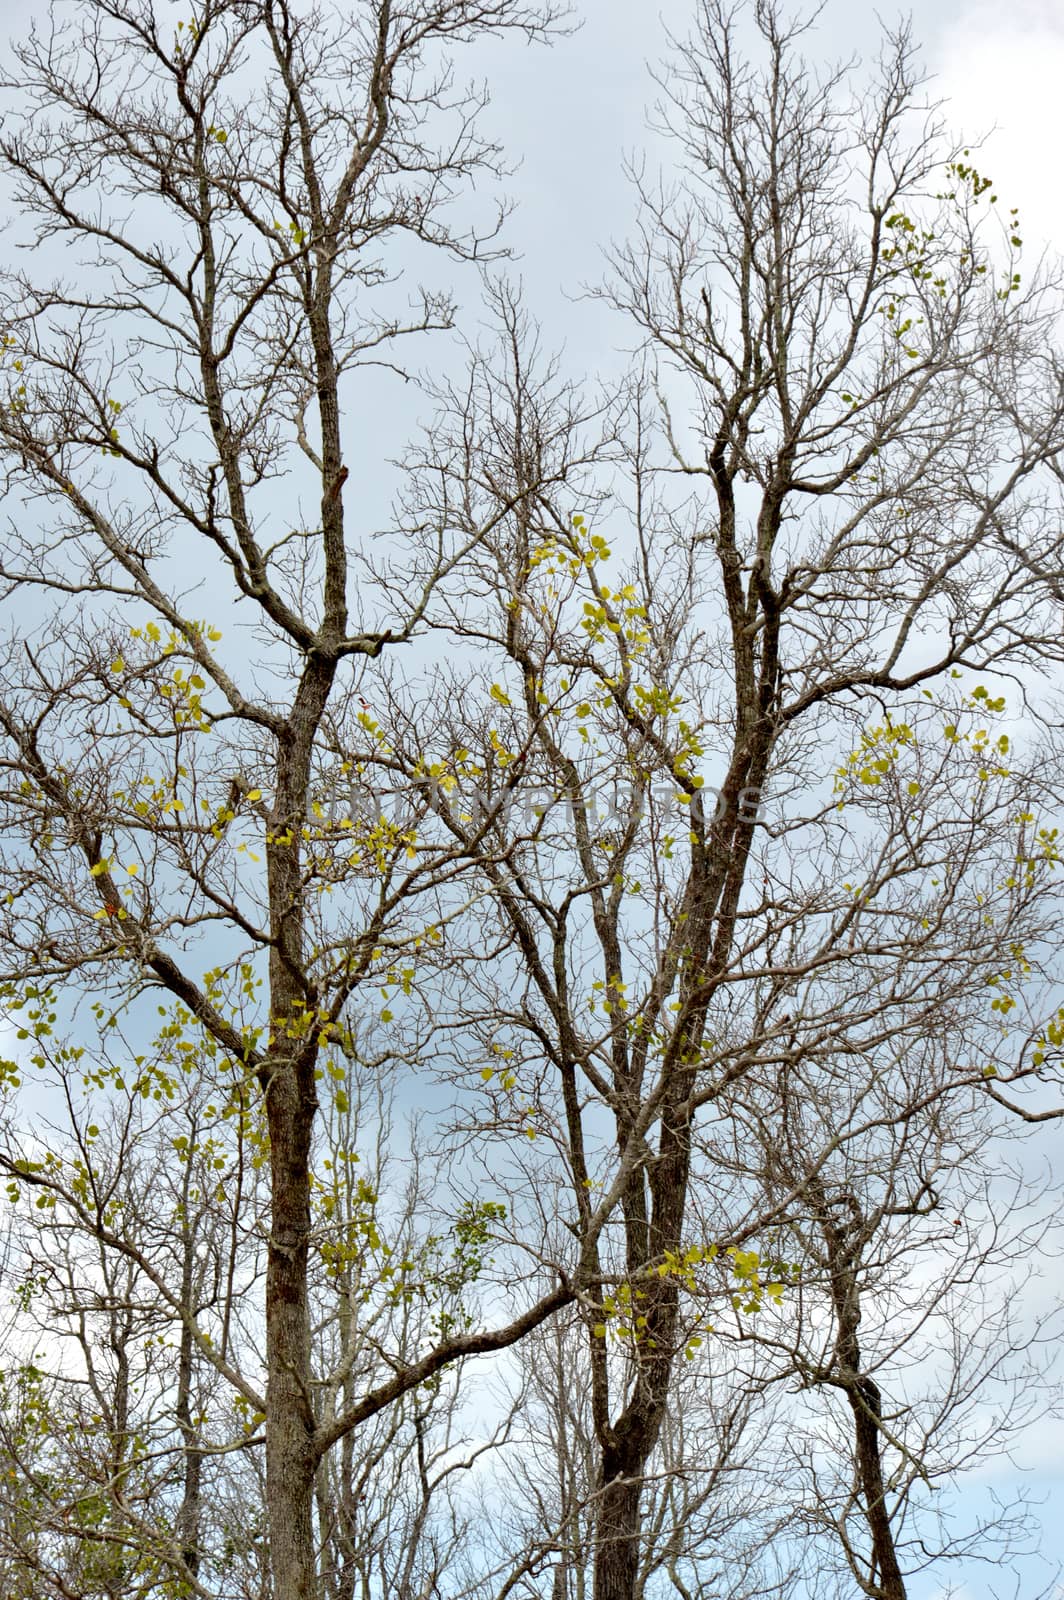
863 1396
844 1244
290 1461
617 1532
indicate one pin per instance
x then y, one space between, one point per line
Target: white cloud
1001 71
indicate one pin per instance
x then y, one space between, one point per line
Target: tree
136 1466
714 1522
230 285
865 403
701 884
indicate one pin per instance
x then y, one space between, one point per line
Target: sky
575 112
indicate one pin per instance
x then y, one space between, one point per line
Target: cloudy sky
575 112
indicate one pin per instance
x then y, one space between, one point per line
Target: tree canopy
529 1019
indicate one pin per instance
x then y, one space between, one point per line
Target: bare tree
706 808
915 1236
712 1519
129 1460
863 402
130 1424
228 190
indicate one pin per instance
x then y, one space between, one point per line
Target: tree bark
617 1527
844 1242
290 1461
